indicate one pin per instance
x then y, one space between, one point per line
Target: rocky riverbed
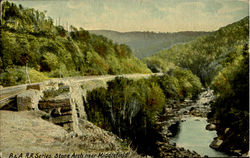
174 112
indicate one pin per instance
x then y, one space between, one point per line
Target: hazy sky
144 15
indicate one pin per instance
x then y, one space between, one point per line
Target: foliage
128 108
51 93
27 36
180 84
131 108
232 104
207 55
156 64
17 75
218 60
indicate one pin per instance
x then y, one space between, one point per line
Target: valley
66 91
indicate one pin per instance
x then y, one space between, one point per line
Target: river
192 135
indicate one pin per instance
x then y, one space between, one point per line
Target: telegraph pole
60 71
1 11
27 73
67 26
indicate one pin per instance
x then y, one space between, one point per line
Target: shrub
16 75
179 84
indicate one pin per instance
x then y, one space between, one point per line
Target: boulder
216 144
238 152
226 130
211 127
28 100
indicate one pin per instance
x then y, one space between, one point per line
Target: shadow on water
191 134
175 129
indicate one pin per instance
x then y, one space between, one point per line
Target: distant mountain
207 55
146 44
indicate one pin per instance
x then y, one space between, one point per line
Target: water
194 136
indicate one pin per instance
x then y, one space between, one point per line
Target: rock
188 100
64 109
28 100
62 119
169 134
216 143
226 130
238 152
168 110
50 104
246 154
34 86
211 127
191 109
68 126
78 100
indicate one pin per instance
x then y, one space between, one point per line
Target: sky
143 15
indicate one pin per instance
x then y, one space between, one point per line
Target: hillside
221 61
28 37
207 55
146 44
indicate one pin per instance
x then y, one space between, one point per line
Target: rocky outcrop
28 100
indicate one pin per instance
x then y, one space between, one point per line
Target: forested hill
206 55
29 37
146 44
221 61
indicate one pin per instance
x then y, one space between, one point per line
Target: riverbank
193 135
175 113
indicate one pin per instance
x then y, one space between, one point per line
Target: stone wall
62 100
63 105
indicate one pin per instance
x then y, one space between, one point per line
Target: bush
180 84
15 76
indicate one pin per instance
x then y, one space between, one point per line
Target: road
9 92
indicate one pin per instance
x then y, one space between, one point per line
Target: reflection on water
194 136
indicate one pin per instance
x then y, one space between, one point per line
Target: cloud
72 4
245 1
145 15
212 6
